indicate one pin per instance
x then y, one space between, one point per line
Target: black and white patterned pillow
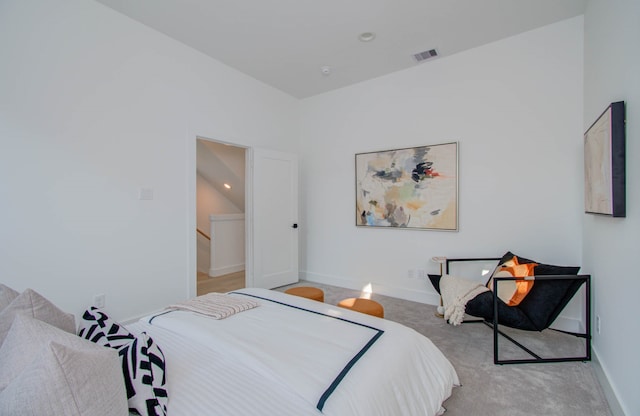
143 363
97 327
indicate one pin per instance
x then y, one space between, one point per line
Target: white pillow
65 381
33 304
7 295
23 343
46 371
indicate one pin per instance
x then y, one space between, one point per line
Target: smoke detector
326 70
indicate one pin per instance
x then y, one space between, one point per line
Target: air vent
423 56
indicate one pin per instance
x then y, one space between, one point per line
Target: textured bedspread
303 357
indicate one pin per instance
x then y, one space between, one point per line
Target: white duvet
294 356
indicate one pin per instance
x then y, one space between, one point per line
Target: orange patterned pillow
512 292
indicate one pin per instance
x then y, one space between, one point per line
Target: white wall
610 245
94 106
203 254
208 201
515 107
227 244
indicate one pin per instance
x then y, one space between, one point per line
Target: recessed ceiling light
226 185
366 36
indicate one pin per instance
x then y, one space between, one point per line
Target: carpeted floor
563 389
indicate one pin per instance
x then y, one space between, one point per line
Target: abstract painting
412 188
604 163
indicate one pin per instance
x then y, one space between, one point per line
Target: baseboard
609 393
421 296
220 271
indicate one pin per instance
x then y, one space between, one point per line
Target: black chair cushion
482 307
538 309
548 298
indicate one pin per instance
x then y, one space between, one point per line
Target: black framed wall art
604 163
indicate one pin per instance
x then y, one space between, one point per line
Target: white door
273 219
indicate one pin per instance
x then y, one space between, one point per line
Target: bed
284 355
296 356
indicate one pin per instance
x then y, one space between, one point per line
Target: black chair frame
586 279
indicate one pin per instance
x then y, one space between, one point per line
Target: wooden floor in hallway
220 284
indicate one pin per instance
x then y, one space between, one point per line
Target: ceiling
285 43
220 164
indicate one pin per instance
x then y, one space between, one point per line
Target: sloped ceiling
284 43
219 164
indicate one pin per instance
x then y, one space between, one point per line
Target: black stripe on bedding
160 314
350 364
346 369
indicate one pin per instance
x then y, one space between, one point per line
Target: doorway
270 209
220 216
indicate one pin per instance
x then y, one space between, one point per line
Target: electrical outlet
99 300
420 274
598 324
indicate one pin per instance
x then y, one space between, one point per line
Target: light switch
145 194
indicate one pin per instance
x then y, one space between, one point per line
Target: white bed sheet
281 360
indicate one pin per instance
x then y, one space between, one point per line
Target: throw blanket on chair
456 292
